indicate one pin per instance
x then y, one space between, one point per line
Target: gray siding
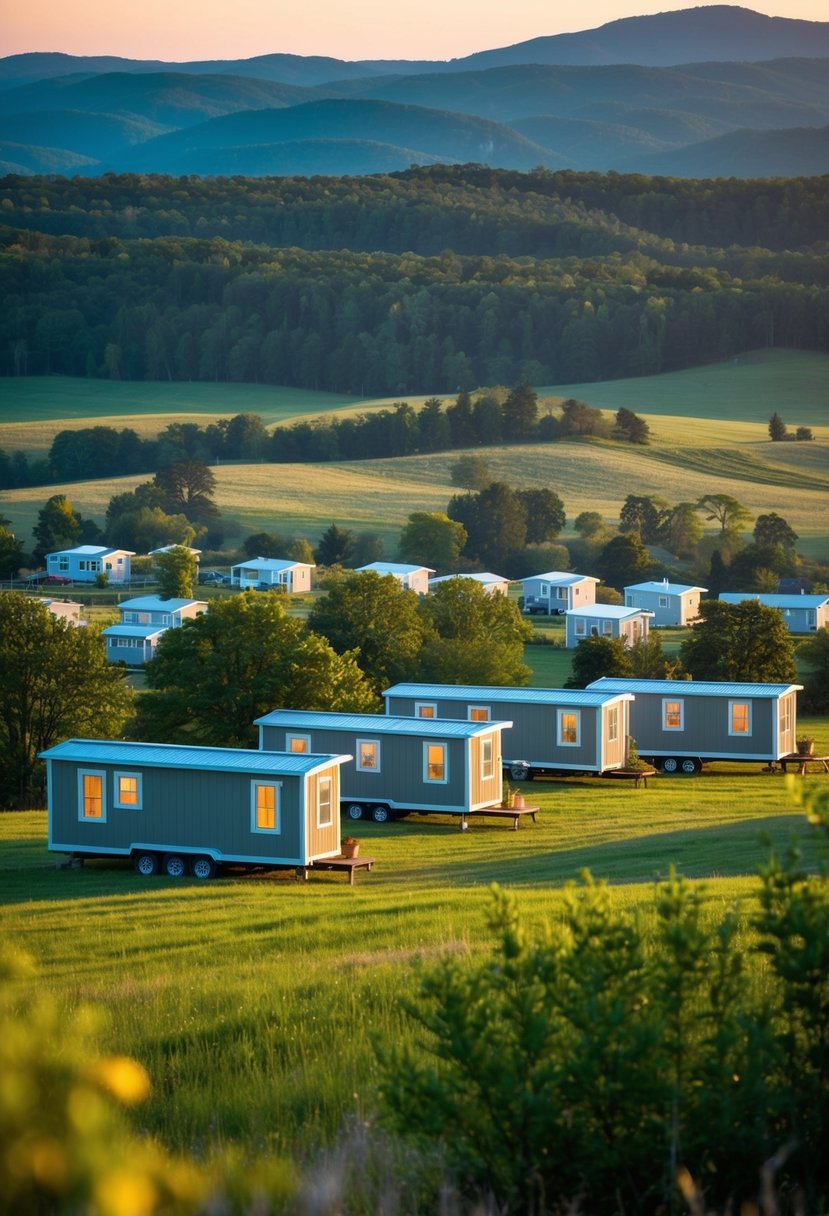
399 782
705 727
182 808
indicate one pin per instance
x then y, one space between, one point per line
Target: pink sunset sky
360 29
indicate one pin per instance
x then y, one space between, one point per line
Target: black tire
670 765
519 772
145 864
203 868
354 811
690 765
381 814
174 865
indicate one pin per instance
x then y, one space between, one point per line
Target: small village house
272 573
558 592
84 563
65 610
144 620
802 613
606 621
413 578
493 584
669 603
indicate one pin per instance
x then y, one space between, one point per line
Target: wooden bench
795 758
503 812
638 775
349 864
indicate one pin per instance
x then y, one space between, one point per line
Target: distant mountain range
624 97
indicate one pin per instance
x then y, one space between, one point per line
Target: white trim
276 786
325 823
740 734
678 701
487 741
92 772
290 735
358 759
478 709
444 744
138 805
419 706
574 713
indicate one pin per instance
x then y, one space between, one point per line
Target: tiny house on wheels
554 730
399 764
182 810
679 725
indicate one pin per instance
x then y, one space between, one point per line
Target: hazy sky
346 29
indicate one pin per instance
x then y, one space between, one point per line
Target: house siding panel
705 727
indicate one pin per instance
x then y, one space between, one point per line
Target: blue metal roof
154 603
772 600
489 693
663 588
173 755
561 578
269 563
694 688
377 724
616 612
134 631
392 568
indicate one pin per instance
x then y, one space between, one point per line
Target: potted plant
805 746
634 762
508 796
350 847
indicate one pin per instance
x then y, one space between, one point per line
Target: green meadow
255 1001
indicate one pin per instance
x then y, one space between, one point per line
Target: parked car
213 578
533 604
41 579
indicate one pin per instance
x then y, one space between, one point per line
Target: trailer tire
145 864
520 772
381 814
174 865
354 811
670 764
691 765
203 867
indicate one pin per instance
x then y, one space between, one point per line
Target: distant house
84 563
65 610
493 584
607 621
802 613
143 622
558 592
670 603
414 578
266 573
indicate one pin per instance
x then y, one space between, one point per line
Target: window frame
117 804
580 627
740 734
607 628
613 723
358 759
82 816
290 736
663 601
680 703
443 744
329 783
276 786
478 713
419 706
561 714
487 761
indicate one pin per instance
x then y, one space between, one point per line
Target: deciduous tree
55 683
739 642
188 487
596 657
772 529
335 547
777 427
545 513
730 514
472 637
431 538
177 569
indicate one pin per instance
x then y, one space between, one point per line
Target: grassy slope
234 993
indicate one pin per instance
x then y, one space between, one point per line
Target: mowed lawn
255 1001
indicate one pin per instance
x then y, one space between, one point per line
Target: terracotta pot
805 747
351 850
519 802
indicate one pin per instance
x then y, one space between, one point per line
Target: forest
436 280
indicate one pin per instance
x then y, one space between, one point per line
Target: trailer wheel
380 814
520 772
203 867
145 864
691 765
173 865
354 810
670 764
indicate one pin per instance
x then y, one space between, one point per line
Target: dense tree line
377 323
468 208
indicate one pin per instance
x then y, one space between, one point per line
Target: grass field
254 1001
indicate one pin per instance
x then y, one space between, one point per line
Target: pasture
255 1001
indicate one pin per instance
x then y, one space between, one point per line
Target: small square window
673 715
298 744
128 791
426 709
478 713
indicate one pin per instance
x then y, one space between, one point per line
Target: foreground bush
598 1066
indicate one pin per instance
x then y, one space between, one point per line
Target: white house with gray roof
802 613
606 621
670 603
413 578
493 584
558 591
270 573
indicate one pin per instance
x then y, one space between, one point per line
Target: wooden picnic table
796 758
638 775
349 864
504 812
